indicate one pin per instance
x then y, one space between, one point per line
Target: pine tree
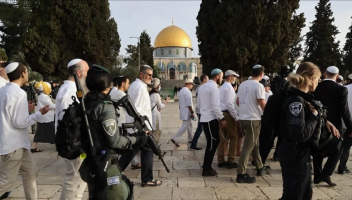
234 34
63 30
347 57
321 47
146 49
295 50
15 17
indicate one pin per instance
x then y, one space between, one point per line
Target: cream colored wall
177 61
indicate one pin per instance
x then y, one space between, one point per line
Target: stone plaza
185 180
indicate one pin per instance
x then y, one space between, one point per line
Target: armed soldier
108 141
32 98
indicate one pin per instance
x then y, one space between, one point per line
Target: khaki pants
21 161
228 133
250 145
73 183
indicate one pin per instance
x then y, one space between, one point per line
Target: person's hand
314 111
167 99
192 116
223 123
44 109
31 106
332 129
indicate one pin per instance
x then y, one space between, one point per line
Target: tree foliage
321 47
146 49
63 30
234 34
295 51
347 57
15 18
3 56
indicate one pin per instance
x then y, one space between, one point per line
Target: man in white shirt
72 181
122 83
140 97
228 134
209 102
3 76
203 79
15 154
251 101
115 84
186 112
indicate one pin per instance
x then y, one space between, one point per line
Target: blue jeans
197 133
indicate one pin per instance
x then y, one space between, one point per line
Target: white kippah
11 67
333 70
256 66
340 77
73 62
265 77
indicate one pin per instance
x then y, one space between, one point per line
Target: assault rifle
139 125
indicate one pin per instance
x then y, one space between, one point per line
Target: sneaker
195 148
343 171
245 178
231 165
264 169
221 165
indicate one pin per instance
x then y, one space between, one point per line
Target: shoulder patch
110 126
295 108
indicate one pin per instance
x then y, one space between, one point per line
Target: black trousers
266 143
197 133
297 181
211 131
329 166
146 162
347 143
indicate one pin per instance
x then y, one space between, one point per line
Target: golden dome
172 36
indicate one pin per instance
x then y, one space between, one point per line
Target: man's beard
82 82
218 82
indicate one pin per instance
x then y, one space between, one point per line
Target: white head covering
266 78
12 67
189 81
231 72
73 62
333 70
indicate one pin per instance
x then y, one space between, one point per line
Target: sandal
137 166
36 150
175 143
154 182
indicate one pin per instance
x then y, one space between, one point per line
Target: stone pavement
184 180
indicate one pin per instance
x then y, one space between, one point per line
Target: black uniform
267 137
334 97
108 143
297 128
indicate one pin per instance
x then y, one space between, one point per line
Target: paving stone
195 172
158 165
259 182
155 193
273 180
219 182
319 194
243 193
170 158
193 193
191 182
340 192
131 173
45 191
175 173
186 165
182 153
193 158
274 192
155 174
50 180
182 147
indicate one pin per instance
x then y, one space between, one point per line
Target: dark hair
73 69
98 80
257 71
17 73
202 77
330 74
4 64
119 80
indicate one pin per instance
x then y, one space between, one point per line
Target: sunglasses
150 75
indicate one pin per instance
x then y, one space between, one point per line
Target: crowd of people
311 118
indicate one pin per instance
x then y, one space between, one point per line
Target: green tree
3 56
321 47
347 57
15 17
62 30
238 34
146 49
295 50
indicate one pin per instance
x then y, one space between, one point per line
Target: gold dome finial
172 20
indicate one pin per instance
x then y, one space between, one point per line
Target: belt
225 111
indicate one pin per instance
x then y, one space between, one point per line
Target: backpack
68 138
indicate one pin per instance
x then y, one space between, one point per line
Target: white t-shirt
44 100
185 100
248 94
267 95
3 81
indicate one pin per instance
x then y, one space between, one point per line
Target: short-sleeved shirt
248 94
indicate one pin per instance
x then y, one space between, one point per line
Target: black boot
245 178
